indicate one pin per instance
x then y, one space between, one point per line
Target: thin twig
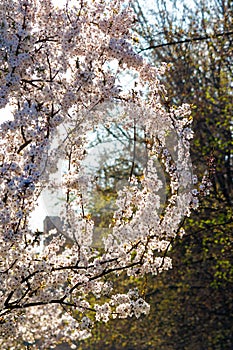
200 38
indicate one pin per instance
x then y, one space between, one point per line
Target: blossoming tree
54 73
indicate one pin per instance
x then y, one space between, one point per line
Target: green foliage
191 305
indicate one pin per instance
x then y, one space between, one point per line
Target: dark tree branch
24 145
200 38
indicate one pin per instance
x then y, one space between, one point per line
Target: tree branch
199 38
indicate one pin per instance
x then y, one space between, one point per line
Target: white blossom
53 75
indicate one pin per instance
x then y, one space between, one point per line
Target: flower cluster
54 76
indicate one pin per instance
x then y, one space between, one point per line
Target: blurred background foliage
191 305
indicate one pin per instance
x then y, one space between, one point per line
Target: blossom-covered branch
56 75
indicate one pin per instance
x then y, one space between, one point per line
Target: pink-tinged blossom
53 75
